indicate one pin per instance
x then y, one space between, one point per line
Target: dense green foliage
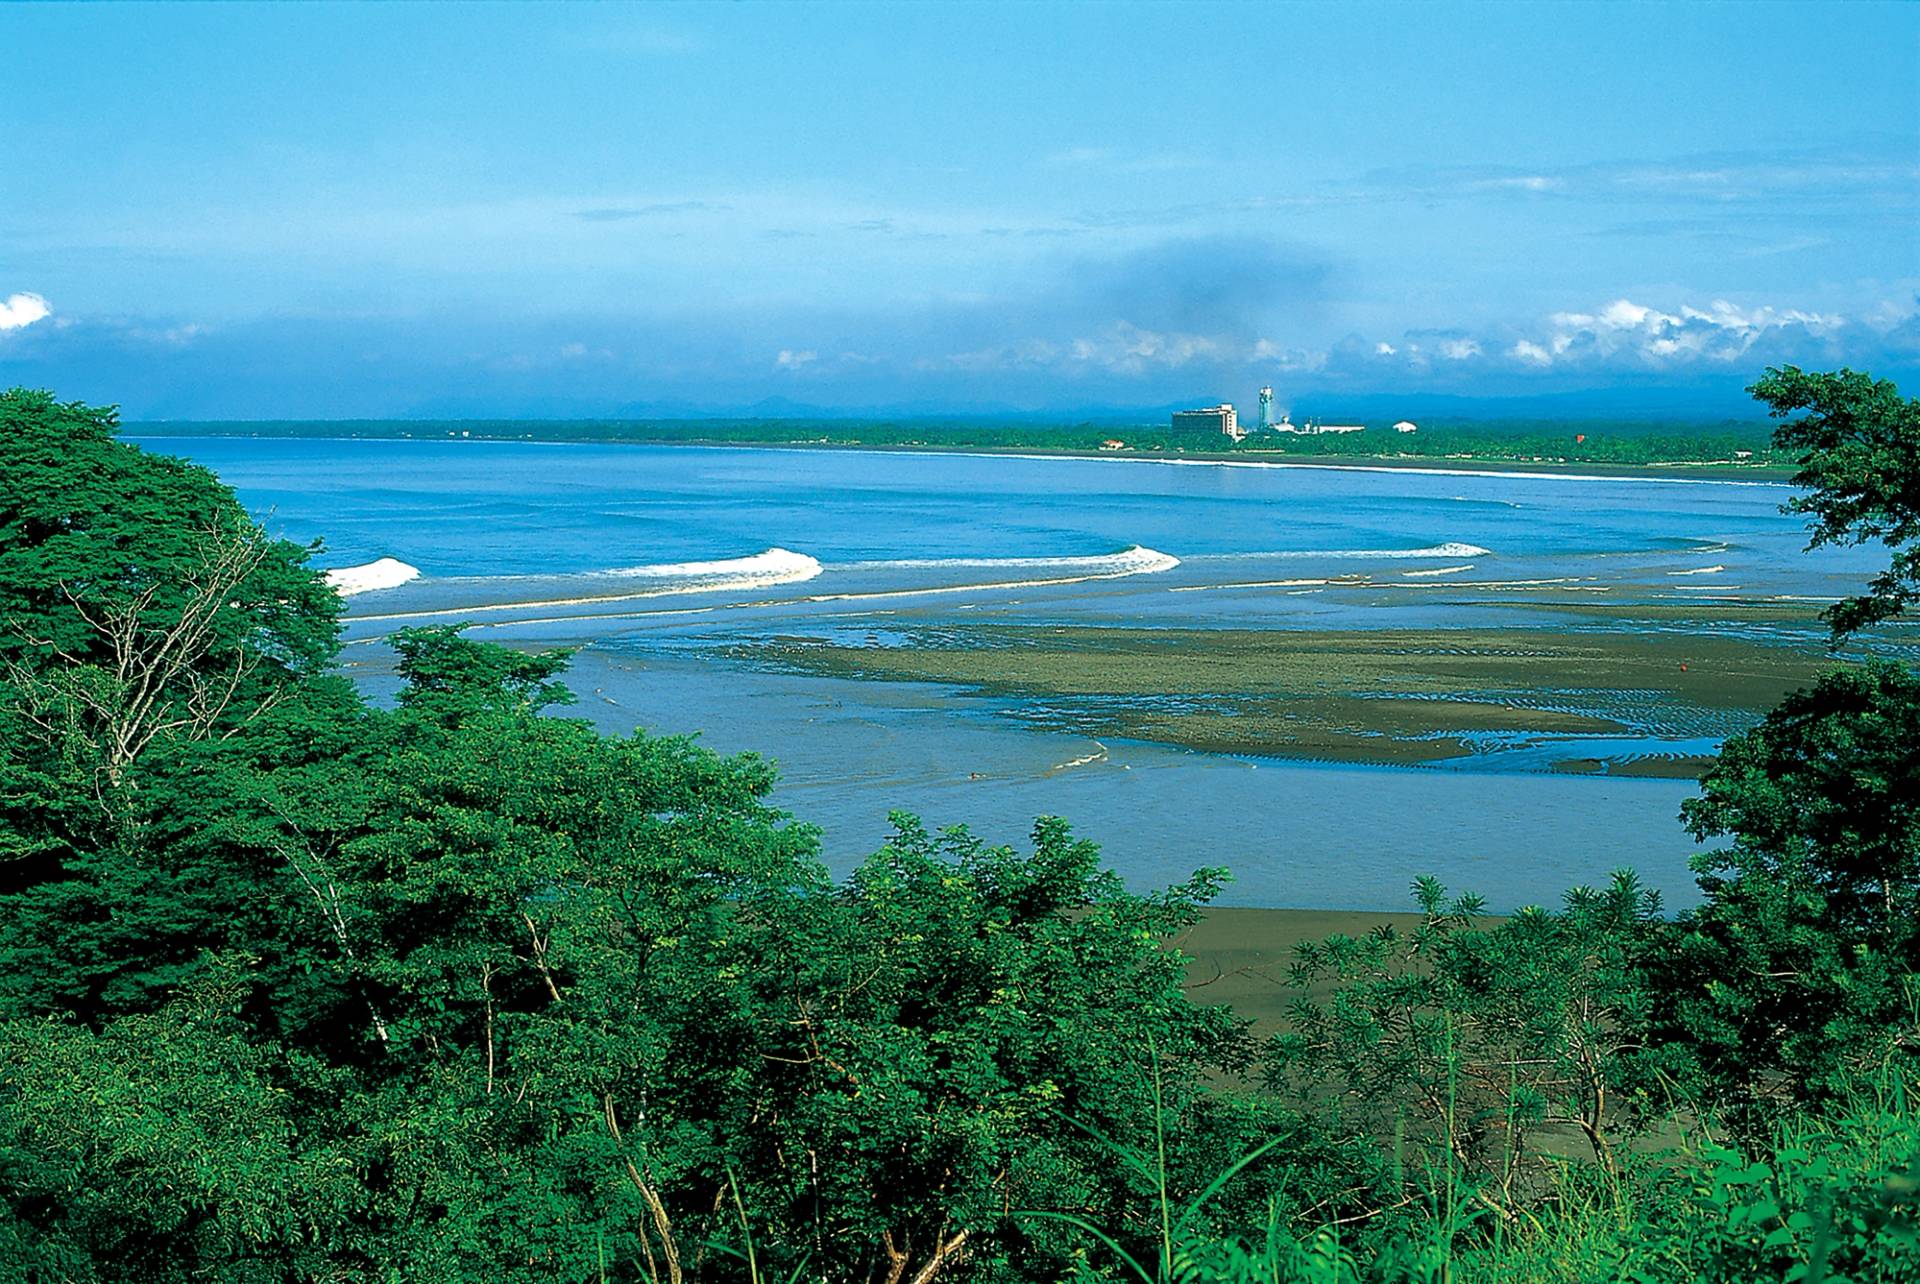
1526 441
1858 443
298 988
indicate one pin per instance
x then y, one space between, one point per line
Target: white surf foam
1078 570
1137 560
1451 549
1099 754
774 566
1439 570
382 573
1345 581
664 579
1700 570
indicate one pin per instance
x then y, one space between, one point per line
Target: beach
1241 957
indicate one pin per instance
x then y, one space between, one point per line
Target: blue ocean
641 555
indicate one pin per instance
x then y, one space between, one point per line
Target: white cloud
1719 331
1624 313
1459 349
1384 349
22 310
1128 349
789 359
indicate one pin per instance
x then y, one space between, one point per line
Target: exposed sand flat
1379 696
1241 957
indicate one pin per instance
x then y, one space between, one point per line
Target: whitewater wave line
1135 561
763 570
781 566
1098 755
1450 549
1345 581
1509 585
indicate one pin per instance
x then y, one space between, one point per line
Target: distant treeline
1599 441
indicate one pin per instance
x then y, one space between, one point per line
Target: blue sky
308 210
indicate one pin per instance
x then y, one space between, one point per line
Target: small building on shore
1312 428
1406 425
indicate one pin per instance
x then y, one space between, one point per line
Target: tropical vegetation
300 986
1522 442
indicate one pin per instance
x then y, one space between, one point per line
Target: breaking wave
774 566
1447 550
1065 570
1138 560
382 573
598 589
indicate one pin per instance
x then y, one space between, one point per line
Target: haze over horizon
390 211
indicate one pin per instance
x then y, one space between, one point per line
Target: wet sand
1383 696
1241 957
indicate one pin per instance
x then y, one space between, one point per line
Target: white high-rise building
1213 419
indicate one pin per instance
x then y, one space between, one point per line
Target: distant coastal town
1224 421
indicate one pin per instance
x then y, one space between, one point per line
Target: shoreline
1672 471
1239 957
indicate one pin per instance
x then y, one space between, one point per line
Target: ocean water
489 509
644 556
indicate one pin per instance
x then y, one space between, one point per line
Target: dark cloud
1219 286
1193 319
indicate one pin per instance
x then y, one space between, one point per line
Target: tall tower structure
1266 408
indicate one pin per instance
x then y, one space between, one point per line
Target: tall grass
1832 1200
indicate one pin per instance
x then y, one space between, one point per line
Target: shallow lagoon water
1306 835
532 540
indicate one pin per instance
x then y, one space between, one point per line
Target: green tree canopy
1803 964
1858 443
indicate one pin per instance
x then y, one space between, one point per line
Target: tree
135 588
163 1149
1858 442
1802 968
1472 1040
530 953
449 675
156 642
950 1036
